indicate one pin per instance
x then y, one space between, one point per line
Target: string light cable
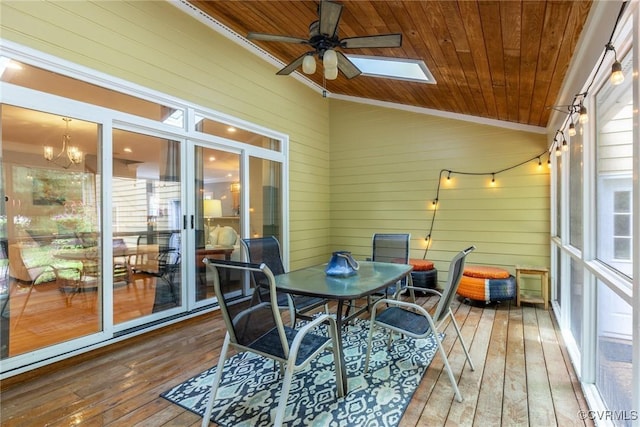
559 144
450 172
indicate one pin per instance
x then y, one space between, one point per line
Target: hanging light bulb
584 117
572 128
616 73
493 179
309 64
558 151
616 68
449 176
330 59
331 73
549 162
565 146
539 163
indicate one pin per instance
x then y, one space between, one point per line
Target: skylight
393 68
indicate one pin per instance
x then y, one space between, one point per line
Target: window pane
622 225
559 207
147 223
622 201
577 296
223 130
266 195
622 249
615 342
575 191
218 215
56 84
614 163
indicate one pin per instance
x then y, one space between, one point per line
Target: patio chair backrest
265 250
249 319
391 248
456 268
394 248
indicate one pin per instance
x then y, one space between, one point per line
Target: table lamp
211 208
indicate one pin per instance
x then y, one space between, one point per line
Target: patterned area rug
250 386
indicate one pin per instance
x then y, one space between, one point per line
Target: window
622 225
614 175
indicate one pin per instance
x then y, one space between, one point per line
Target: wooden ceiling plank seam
447 79
458 35
471 18
410 37
442 37
511 23
532 22
555 21
490 17
575 23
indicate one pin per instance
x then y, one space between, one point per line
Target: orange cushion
485 272
421 264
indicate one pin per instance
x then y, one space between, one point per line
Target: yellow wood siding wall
385 165
158 46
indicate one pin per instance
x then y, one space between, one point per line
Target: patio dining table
372 277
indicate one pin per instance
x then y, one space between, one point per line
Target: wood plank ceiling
502 60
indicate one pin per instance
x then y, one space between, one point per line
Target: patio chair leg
216 382
449 372
464 346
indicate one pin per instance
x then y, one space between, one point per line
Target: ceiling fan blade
292 66
330 13
276 38
384 40
347 67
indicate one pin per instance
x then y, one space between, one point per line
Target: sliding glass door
217 220
146 225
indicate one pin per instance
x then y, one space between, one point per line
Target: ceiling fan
323 38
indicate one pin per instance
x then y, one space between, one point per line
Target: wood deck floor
523 377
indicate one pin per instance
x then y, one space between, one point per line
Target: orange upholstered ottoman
483 283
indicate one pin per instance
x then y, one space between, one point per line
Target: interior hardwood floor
523 376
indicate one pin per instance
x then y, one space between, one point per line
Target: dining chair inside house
256 326
85 279
158 257
267 250
411 319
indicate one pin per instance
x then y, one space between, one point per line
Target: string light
493 174
617 76
584 117
539 163
573 108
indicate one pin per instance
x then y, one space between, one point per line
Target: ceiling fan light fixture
331 73
309 64
330 59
